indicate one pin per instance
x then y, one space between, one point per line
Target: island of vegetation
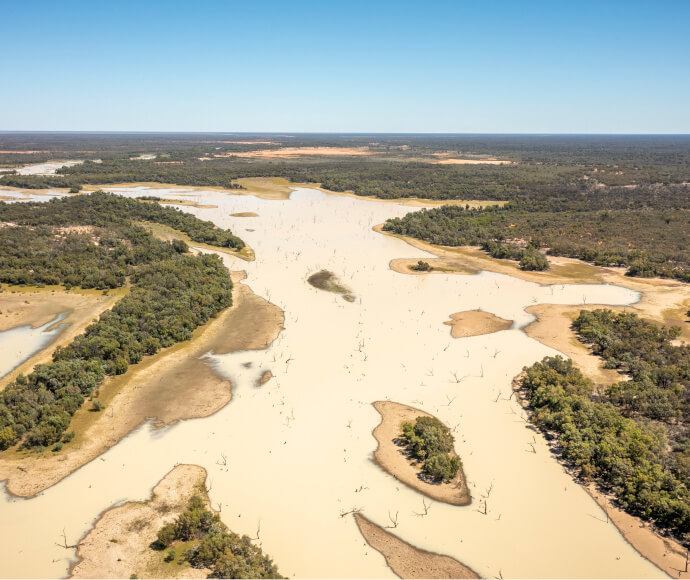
91 241
417 449
632 436
408 561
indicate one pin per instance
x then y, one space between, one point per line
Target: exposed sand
172 385
472 162
119 543
245 214
392 456
291 152
406 560
475 323
31 306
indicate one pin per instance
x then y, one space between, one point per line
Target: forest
631 436
209 544
609 200
172 293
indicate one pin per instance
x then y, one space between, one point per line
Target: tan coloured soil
119 543
475 323
245 214
393 457
406 560
173 385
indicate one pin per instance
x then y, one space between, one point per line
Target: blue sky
501 67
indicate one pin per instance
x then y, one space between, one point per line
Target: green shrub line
632 437
226 554
172 293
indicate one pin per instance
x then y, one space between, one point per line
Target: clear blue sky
396 66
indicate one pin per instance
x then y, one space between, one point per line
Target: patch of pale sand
475 323
406 560
288 152
173 385
552 328
119 543
393 457
245 214
472 162
31 306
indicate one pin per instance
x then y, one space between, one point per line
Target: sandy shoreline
406 560
665 553
170 386
392 458
118 543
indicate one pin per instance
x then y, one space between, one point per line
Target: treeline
648 241
632 437
172 294
213 546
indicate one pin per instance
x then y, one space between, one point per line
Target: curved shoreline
665 553
407 561
392 458
157 387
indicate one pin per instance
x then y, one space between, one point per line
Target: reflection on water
18 344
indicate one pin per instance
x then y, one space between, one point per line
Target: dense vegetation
171 294
631 437
609 200
430 441
225 553
648 237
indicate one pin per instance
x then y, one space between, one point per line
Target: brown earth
475 323
406 560
392 457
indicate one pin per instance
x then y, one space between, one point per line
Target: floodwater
291 457
18 344
49 168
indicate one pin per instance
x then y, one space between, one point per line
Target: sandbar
476 323
392 457
406 560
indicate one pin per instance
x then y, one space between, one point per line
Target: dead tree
426 509
64 542
394 520
223 460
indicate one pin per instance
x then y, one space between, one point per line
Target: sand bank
475 323
173 385
31 306
119 543
245 214
392 456
406 560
